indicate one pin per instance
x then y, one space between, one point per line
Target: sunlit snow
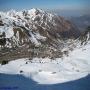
47 71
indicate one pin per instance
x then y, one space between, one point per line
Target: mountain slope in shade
81 22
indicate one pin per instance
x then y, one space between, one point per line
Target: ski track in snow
47 71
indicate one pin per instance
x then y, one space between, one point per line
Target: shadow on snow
19 82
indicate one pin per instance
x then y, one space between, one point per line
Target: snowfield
47 71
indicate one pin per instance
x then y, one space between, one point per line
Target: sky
79 5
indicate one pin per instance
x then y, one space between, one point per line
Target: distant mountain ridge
81 22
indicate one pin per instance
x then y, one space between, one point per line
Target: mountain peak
35 10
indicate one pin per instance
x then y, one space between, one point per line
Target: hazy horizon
66 7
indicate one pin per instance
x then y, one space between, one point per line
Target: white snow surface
8 31
47 71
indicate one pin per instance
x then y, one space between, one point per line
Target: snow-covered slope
47 71
36 25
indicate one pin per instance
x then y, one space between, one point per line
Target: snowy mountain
53 50
35 25
36 33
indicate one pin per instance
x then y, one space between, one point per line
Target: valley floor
47 71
